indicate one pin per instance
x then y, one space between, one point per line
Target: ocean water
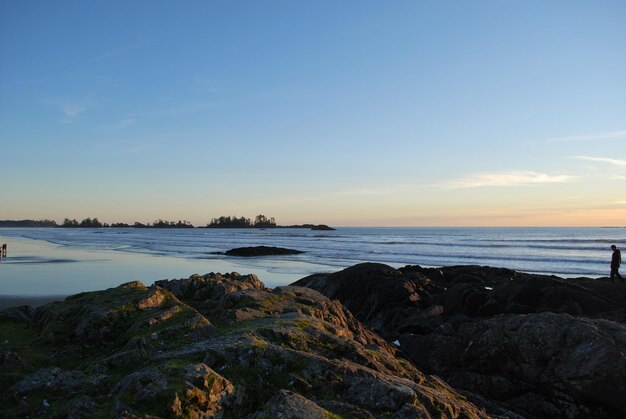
566 252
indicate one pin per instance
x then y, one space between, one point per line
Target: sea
567 252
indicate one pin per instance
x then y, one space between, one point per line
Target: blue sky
345 113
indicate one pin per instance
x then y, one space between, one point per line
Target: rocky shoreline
370 341
533 345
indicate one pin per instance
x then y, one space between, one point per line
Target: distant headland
28 223
260 221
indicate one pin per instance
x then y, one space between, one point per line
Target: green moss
181 363
224 328
22 339
58 405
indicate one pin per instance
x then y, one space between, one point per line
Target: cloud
592 137
129 120
615 162
510 178
72 111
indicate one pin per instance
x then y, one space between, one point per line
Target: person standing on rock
616 260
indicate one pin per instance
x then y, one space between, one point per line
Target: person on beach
616 260
4 250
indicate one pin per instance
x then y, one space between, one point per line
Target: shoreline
40 269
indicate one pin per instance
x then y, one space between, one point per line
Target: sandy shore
36 272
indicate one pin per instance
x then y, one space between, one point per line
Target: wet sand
36 272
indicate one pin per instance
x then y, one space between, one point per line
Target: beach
37 271
44 264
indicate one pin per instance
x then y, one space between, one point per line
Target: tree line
231 221
95 223
260 221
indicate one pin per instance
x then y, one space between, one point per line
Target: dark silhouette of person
4 250
616 260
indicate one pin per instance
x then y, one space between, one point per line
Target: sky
347 113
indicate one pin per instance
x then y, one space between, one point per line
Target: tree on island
230 222
91 223
28 223
260 221
87 223
263 222
69 223
171 224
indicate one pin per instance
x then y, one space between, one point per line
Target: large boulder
383 298
545 365
492 331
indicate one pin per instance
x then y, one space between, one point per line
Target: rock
20 313
143 386
542 364
261 251
52 379
84 407
288 405
210 286
382 297
213 346
154 299
11 360
517 344
206 392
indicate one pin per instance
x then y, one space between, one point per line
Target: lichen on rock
211 346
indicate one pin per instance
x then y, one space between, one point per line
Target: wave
537 250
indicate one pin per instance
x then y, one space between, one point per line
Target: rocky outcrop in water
540 346
261 251
209 346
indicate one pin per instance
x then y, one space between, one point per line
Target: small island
261 251
260 221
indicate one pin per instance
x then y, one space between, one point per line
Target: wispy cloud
509 178
612 135
123 123
70 109
615 162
